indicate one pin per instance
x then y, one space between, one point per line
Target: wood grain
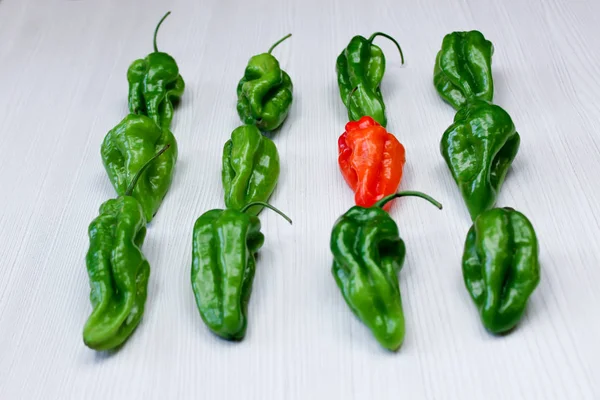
63 86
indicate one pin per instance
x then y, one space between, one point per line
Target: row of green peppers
500 261
225 241
139 155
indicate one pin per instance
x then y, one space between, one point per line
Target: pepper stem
262 203
349 97
373 36
386 199
138 174
156 30
279 41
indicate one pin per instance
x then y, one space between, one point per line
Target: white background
63 86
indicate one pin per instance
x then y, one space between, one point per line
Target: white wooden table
63 86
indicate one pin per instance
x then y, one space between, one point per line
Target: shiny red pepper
371 160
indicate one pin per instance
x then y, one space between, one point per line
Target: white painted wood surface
63 86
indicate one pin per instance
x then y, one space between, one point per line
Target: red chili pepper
371 160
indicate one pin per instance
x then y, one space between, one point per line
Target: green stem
138 174
373 36
262 203
349 97
156 30
279 41
386 199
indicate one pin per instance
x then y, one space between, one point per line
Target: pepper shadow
100 179
390 83
450 191
500 82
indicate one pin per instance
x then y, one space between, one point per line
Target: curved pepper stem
385 35
156 30
279 41
138 174
386 199
350 94
262 203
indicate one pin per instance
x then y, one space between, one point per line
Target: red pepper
371 160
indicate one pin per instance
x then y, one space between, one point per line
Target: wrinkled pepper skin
118 273
371 161
264 92
223 266
155 85
127 147
360 68
117 269
368 254
501 267
479 148
250 168
463 68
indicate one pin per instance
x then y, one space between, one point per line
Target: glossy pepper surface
155 85
223 266
117 269
500 266
479 147
130 145
371 160
368 254
463 68
264 92
250 168
360 67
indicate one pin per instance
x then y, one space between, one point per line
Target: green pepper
368 254
360 68
155 85
250 168
264 92
117 269
131 144
223 266
463 68
501 267
479 147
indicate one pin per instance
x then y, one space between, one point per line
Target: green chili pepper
264 92
250 168
360 68
155 85
463 68
500 266
479 147
223 265
368 254
131 144
117 269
